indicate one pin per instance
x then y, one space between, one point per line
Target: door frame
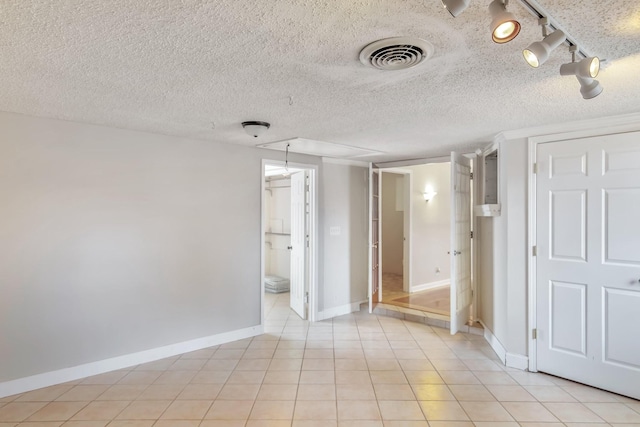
532 266
312 274
408 176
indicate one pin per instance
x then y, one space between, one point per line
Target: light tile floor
357 370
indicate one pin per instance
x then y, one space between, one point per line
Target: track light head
455 7
585 71
504 25
538 52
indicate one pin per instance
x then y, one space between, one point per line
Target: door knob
290 247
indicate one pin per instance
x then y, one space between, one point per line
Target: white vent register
396 53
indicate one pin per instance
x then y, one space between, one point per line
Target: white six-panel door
588 261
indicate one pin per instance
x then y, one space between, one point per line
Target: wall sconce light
428 195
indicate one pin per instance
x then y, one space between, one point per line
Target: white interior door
375 273
460 253
299 236
588 261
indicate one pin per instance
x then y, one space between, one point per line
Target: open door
460 254
375 274
299 238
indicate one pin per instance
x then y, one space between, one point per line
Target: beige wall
392 224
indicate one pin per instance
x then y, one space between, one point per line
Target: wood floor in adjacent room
436 300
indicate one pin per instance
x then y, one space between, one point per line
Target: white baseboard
430 285
339 311
494 343
511 360
517 361
46 379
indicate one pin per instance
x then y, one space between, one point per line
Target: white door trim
313 235
408 175
532 219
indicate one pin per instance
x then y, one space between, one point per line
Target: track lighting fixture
455 7
538 52
585 71
504 25
255 128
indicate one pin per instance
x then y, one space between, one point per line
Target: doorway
289 243
416 237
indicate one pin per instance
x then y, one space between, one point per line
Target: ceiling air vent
396 53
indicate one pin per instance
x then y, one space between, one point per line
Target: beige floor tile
549 393
314 423
432 392
19 411
230 410
157 365
41 424
347 353
222 423
318 365
101 410
83 393
589 394
101 423
289 354
246 377
360 423
187 365
221 365
351 364
285 365
228 354
388 377
529 412
140 377
268 423
398 410
131 423
496 424
44 394
239 392
200 392
459 377
106 378
395 423
614 412
144 410
316 410
186 410
282 377
311 353
358 410
57 411
482 365
316 392
355 392
549 425
177 423
278 392
475 393
573 413
394 392
272 410
486 411
416 365
451 424
448 364
494 378
383 365
175 377
317 377
510 393
253 365
123 392
161 392
423 377
443 411
211 377
352 377
205 353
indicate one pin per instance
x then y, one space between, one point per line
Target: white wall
114 242
392 224
430 224
278 221
344 200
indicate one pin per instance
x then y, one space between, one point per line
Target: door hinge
307 237
471 175
534 251
534 334
535 167
471 233
306 297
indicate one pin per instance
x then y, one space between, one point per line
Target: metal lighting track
539 12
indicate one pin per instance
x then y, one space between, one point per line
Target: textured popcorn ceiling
174 67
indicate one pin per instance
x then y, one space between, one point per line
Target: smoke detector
396 53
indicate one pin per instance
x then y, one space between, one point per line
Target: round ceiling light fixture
396 53
255 128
